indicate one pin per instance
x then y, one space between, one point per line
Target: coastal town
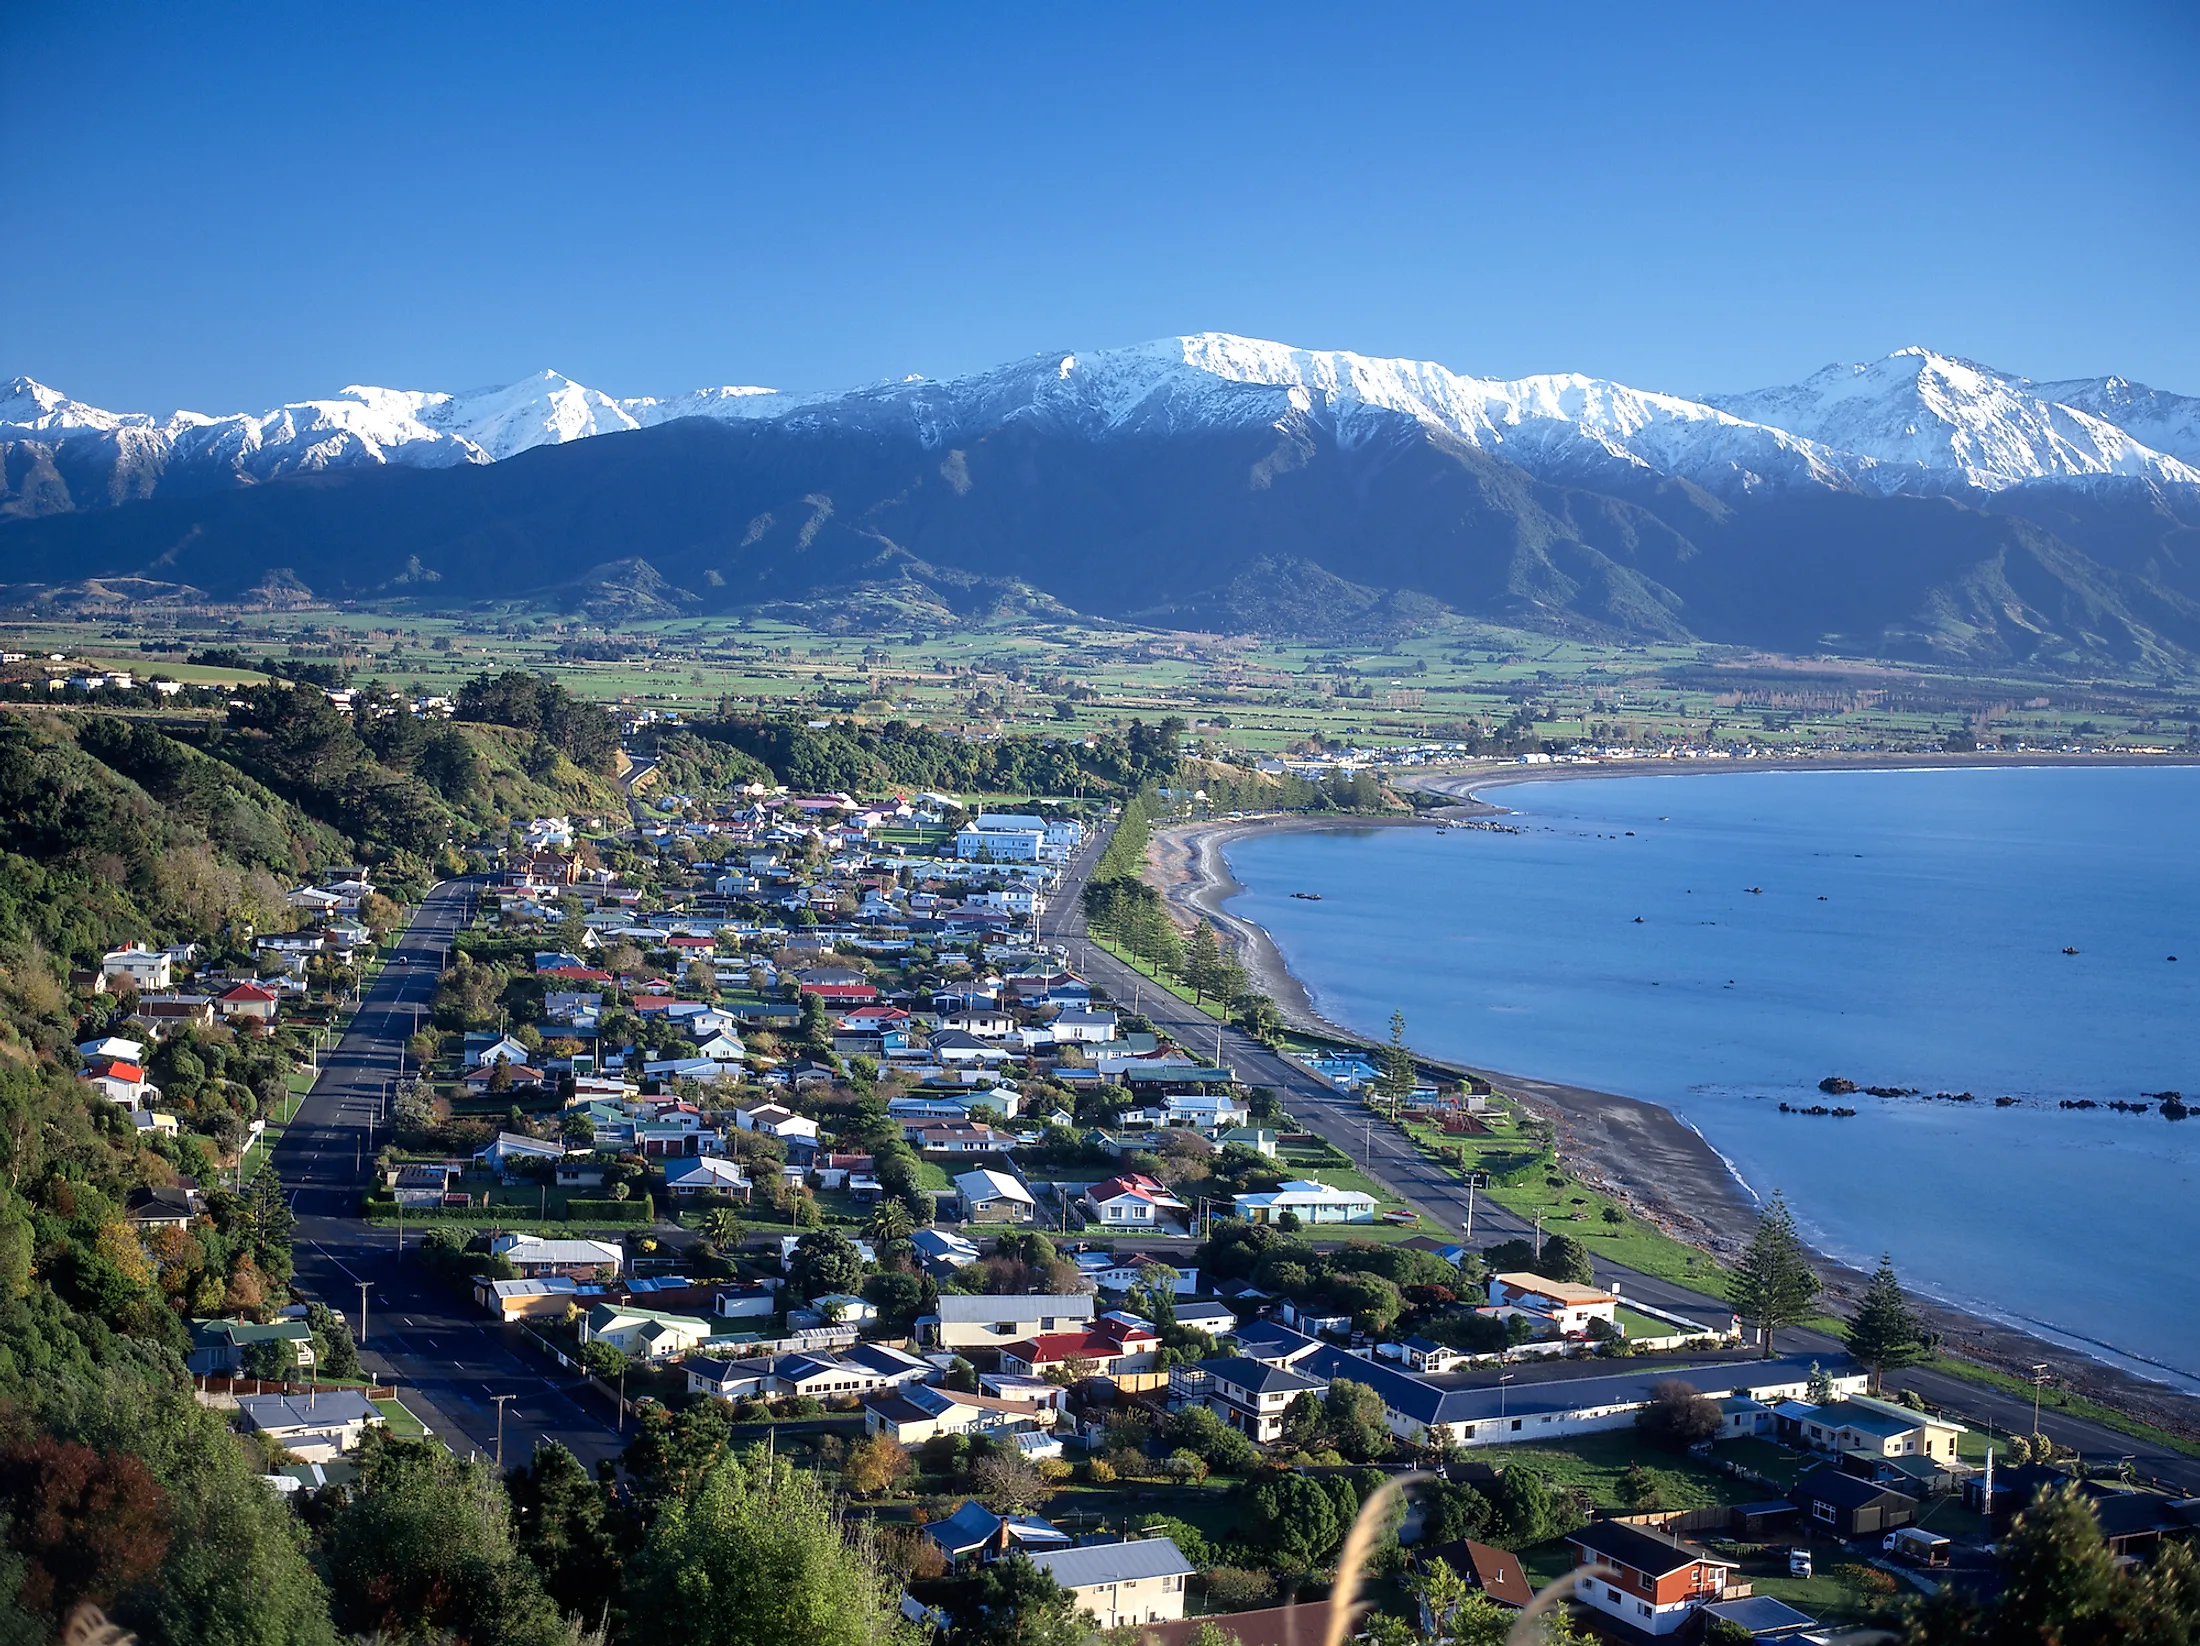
895 1136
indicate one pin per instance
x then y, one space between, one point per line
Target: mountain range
1916 505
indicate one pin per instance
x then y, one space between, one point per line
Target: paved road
1394 1161
420 1334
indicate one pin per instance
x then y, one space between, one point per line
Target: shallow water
1907 930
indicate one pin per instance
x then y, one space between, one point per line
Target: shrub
1678 1414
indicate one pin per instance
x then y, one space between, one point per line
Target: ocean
1718 944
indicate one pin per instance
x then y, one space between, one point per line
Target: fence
218 1384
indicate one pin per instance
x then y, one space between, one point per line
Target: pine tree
1203 961
1885 1334
1774 1283
1397 1058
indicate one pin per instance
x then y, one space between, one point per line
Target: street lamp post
500 1400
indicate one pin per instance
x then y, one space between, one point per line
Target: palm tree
890 1221
722 1227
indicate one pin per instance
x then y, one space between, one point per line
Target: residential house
159 1208
959 1137
253 1002
1121 1584
1554 1305
502 1049
1872 1428
1249 1395
916 1412
144 968
311 1427
1116 1344
974 1530
777 1120
1213 1318
643 1334
706 1175
510 1148
1133 1201
531 1255
165 1012
980 1322
515 1077
942 1251
1843 1505
993 1197
1080 1027
1310 1201
218 1346
1204 1112
1495 1572
1657 1581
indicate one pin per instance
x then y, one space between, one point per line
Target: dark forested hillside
1270 529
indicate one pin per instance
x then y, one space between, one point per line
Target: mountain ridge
1912 421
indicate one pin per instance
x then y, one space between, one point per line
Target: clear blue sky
226 206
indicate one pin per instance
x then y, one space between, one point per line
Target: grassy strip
1147 969
400 1421
2063 1401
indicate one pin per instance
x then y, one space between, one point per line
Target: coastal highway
1389 1157
451 1360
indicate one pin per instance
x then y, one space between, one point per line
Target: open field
1258 695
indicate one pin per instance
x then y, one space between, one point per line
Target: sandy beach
1639 1152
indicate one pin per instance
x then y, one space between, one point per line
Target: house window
1824 1511
1516 1425
1642 1608
1614 1593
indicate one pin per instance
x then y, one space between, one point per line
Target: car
1799 1563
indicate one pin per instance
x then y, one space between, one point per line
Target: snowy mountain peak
1925 420
1912 420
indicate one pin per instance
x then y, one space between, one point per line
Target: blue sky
228 206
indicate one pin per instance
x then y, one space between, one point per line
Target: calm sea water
1905 929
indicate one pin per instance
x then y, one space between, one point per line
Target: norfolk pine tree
1774 1283
1885 1333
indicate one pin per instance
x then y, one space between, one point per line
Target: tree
753 1555
722 1227
1353 1414
1008 1483
890 1222
1529 1511
1678 1414
1566 1259
1774 1283
1885 1334
1397 1074
824 1262
558 1516
604 1360
82 1525
1639 1489
274 1358
1456 1510
1014 1603
335 1352
1297 1520
426 1550
876 1463
1202 961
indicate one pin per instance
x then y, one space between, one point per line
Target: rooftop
1114 1562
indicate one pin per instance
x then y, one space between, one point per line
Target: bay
1898 928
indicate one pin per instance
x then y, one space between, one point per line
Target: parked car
1912 1543
1799 1563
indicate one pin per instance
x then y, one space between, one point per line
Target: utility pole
1503 1378
1367 1150
362 1311
500 1400
1539 1237
2039 1382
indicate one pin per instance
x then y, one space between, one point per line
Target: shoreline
1641 1152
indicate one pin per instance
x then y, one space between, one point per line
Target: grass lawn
401 1422
1595 1464
1211 1008
1640 1325
932 1175
1775 1463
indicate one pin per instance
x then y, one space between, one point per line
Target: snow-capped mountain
1925 420
1914 421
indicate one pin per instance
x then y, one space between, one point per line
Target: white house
145 968
1204 1112
531 1255
315 1427
1080 1026
705 1174
643 1334
777 1120
505 1050
1121 1584
1312 1201
1566 1308
994 1197
1000 845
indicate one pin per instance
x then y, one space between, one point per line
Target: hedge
643 1210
